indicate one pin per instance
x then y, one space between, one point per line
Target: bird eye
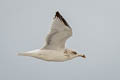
74 52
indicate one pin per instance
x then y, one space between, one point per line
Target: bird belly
52 56
56 58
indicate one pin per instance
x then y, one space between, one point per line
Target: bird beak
82 55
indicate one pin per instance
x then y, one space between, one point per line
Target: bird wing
60 31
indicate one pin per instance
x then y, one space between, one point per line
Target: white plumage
54 48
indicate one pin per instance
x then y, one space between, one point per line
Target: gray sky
96 33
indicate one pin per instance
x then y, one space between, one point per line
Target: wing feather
59 33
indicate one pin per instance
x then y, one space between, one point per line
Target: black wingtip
58 14
61 18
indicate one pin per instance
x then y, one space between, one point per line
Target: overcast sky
96 33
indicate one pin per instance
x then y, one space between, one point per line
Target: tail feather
23 54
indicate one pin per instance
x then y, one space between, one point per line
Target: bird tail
23 54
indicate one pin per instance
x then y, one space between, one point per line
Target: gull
54 48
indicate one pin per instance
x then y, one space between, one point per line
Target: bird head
74 53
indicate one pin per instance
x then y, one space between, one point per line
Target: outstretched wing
59 33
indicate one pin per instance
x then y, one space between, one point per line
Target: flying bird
54 48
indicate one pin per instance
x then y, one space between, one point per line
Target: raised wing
59 33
